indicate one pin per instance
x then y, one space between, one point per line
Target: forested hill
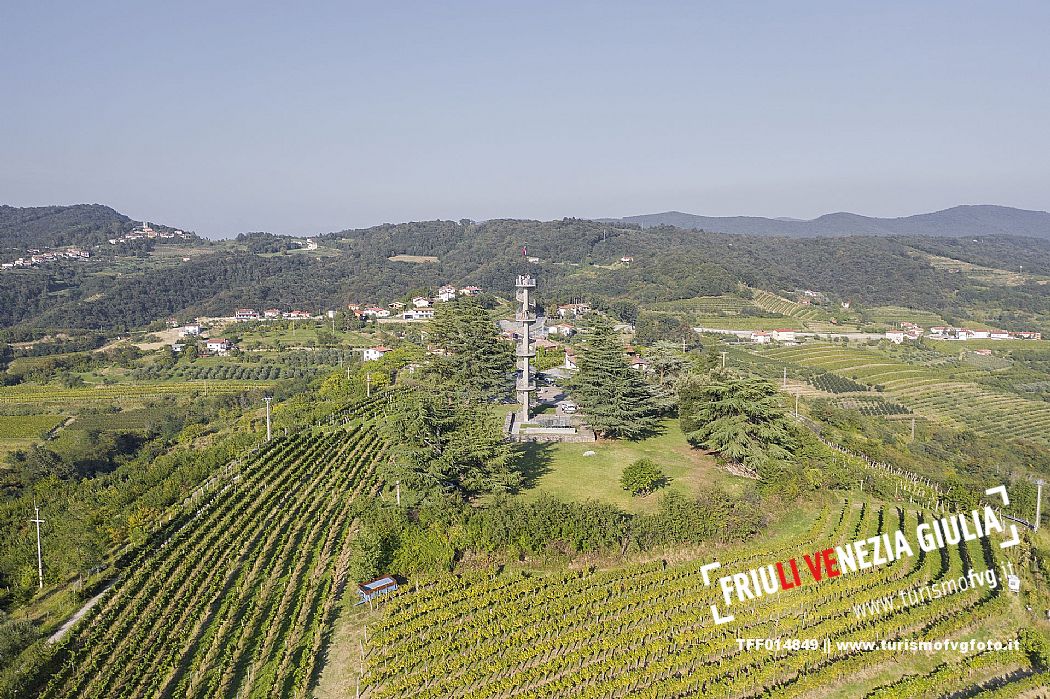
957 221
575 258
54 226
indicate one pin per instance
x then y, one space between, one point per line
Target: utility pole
913 429
397 486
785 377
723 359
368 384
348 373
268 433
39 553
1038 502
796 404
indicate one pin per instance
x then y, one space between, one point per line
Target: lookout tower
526 315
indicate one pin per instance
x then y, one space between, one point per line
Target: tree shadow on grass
536 459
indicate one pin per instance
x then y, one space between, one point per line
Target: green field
123 392
948 395
563 471
28 426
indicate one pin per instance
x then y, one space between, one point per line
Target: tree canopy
616 398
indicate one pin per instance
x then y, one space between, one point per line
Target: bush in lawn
642 477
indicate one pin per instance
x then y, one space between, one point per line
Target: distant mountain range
956 221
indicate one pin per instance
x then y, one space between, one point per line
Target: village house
397 305
245 314
784 335
1000 335
298 315
640 364
760 338
354 306
895 336
374 353
570 359
1027 335
573 310
218 345
470 291
421 302
189 331
446 293
418 314
561 330
272 313
375 312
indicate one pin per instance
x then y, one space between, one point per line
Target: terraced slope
237 598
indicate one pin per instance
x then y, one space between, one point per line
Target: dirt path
342 658
64 629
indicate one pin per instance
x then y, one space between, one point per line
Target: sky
224 117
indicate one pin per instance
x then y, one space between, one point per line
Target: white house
298 315
570 359
981 334
1027 335
218 345
189 330
271 313
470 291
421 302
1000 335
572 310
446 293
640 364
375 312
418 314
895 336
760 338
245 314
374 353
784 335
561 330
397 305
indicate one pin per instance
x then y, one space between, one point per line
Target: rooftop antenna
39 553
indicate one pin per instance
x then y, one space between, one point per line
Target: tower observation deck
526 315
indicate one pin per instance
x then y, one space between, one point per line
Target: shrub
642 477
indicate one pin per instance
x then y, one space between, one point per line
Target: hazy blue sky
303 117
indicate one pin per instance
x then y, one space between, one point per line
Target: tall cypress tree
616 398
473 355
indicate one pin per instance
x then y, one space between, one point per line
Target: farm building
784 335
895 336
374 588
760 338
373 353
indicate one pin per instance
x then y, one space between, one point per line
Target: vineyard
948 395
833 383
645 630
777 304
224 372
236 595
872 405
123 391
28 426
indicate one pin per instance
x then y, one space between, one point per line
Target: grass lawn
563 471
